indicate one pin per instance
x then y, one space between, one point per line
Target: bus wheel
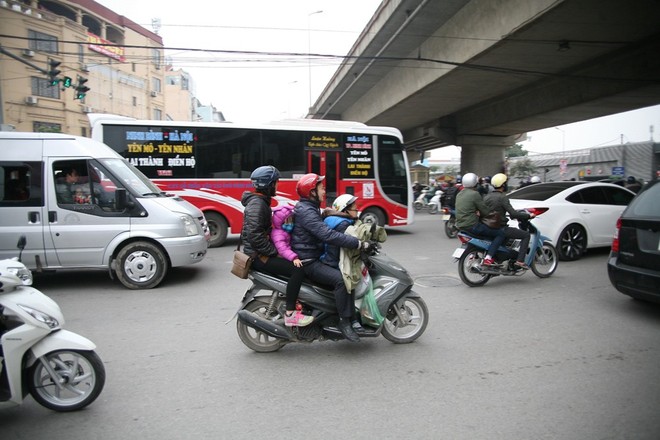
373 215
217 227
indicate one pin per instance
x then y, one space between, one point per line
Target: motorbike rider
343 214
469 208
256 238
308 240
498 201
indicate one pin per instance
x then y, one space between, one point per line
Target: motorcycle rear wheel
545 261
468 265
418 206
72 380
257 340
406 320
450 228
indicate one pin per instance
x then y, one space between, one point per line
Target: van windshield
131 177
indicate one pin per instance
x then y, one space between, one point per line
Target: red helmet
307 183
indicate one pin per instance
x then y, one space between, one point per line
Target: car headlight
41 316
189 225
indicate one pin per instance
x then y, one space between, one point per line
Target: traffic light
53 71
81 89
67 81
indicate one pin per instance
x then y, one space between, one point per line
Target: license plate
446 217
458 252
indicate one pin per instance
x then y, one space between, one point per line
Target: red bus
209 164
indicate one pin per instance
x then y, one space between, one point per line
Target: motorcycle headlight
41 316
22 273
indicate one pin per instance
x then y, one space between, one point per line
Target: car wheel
572 242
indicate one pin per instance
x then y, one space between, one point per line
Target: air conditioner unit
87 109
154 94
31 100
28 53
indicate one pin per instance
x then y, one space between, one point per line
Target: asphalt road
566 357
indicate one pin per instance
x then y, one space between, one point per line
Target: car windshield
541 191
646 203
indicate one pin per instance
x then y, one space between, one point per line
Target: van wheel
218 227
141 265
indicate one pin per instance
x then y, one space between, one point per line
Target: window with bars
42 42
42 87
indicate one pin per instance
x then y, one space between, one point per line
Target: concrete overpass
479 74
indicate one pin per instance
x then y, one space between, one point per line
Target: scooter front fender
61 340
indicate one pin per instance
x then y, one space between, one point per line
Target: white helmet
498 180
470 180
535 179
343 201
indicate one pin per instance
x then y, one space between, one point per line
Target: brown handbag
492 220
241 263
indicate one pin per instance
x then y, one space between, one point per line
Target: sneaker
297 319
488 262
521 265
346 329
357 327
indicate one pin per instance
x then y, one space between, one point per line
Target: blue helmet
264 177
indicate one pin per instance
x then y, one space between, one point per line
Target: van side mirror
121 199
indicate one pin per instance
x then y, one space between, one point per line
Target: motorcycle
404 314
423 200
449 219
57 367
541 255
434 203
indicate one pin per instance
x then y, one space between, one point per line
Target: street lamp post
309 57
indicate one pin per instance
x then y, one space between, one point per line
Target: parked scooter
541 255
449 219
260 323
57 367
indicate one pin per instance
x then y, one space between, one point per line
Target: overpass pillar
484 155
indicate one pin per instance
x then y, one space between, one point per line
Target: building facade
122 62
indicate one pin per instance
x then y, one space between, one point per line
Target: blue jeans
496 235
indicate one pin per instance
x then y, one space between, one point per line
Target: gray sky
263 88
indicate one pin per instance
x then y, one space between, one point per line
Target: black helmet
264 177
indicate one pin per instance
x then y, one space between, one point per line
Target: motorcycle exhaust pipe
258 323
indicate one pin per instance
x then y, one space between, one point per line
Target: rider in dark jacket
308 239
257 226
498 201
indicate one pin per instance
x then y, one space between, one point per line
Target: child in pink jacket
283 224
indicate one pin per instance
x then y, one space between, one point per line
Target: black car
634 262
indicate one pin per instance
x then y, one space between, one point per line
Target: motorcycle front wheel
545 261
450 228
468 267
406 320
255 339
433 208
66 380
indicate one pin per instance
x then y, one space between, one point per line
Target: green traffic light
66 82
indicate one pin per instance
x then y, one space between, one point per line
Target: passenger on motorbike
308 240
498 201
256 238
343 214
469 208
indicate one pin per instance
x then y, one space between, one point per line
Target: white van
82 206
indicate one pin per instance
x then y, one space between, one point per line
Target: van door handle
52 216
33 217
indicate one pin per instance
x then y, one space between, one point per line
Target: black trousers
281 266
524 240
325 274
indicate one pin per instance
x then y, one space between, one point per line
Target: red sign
98 44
